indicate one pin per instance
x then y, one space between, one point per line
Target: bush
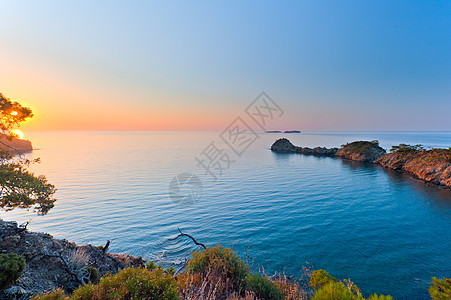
319 278
55 295
328 287
335 290
219 261
94 275
11 267
381 297
131 283
404 148
291 289
262 287
360 146
440 289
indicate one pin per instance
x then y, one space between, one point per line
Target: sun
18 134
14 113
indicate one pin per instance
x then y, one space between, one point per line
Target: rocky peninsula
54 263
432 166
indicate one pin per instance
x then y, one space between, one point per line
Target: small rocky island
432 166
286 131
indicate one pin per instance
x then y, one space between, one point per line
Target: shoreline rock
432 166
51 263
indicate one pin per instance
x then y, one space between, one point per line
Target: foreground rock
433 166
362 151
283 145
13 144
54 263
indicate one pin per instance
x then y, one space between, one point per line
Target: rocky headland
432 166
54 263
13 144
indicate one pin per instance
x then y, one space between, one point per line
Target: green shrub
11 267
262 287
440 289
319 278
55 295
404 148
380 297
219 261
360 146
131 283
94 275
335 291
151 266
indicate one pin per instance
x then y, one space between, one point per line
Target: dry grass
79 259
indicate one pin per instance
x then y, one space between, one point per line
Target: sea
284 213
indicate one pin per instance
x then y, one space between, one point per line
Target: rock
44 269
22 146
292 131
362 151
11 241
432 166
283 145
15 292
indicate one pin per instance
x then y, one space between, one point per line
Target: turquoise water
382 229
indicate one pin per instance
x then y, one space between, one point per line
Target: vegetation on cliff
11 267
18 186
214 273
361 151
433 165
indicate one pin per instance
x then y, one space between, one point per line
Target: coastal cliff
13 144
432 166
54 263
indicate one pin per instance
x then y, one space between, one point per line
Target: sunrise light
18 134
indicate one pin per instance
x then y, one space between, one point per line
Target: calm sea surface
384 230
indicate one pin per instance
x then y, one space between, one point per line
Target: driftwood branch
187 235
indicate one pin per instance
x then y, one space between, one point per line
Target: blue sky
332 65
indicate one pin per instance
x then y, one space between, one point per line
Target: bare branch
187 235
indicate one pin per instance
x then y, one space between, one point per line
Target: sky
196 65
